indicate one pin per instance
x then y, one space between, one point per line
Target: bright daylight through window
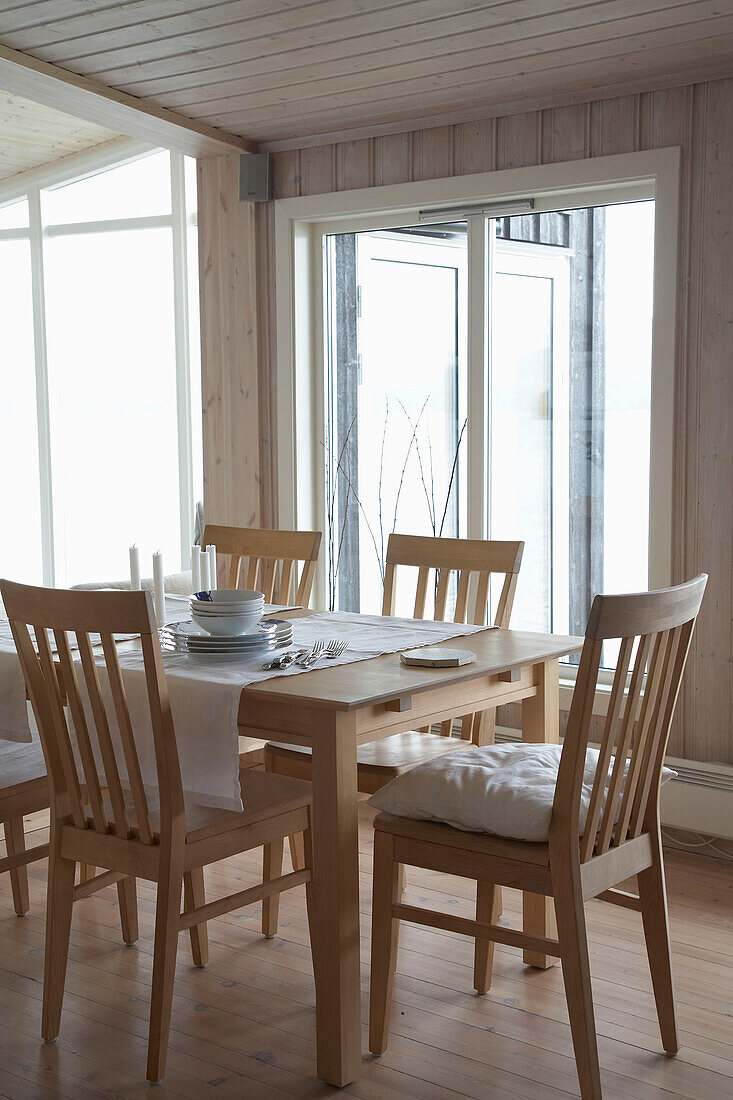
98 339
568 383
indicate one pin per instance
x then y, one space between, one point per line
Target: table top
364 683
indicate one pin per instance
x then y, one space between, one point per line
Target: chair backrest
654 629
77 785
272 560
445 556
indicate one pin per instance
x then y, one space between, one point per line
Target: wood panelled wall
699 118
229 349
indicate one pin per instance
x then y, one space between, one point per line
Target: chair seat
264 796
434 832
390 756
506 790
20 763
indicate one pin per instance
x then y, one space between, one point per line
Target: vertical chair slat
86 752
441 593
173 812
388 594
127 738
598 792
646 717
421 591
268 579
657 732
478 617
459 614
305 587
506 600
235 568
623 744
101 724
254 561
683 649
286 582
47 702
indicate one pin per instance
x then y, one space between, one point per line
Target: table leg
541 723
334 910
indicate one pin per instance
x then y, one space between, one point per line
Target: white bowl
232 609
228 624
223 597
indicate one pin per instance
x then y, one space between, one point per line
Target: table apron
297 724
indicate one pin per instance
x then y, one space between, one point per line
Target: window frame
30 186
301 225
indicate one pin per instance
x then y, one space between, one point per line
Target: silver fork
335 648
311 657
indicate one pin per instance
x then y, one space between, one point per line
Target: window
549 334
99 284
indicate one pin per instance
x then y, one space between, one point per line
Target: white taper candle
205 586
134 569
159 588
211 555
196 568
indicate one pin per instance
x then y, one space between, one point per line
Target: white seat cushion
506 790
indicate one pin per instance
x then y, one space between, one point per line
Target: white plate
190 636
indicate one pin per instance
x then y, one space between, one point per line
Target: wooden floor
244 1027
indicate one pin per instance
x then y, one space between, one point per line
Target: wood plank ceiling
288 72
32 135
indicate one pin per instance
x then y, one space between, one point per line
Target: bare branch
452 476
404 465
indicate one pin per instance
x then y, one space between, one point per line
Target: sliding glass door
560 305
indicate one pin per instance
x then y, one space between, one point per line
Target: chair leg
60 901
194 895
385 936
576 976
15 844
272 867
297 851
653 896
488 908
86 872
167 914
127 898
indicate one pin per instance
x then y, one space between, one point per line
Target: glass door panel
397 377
521 434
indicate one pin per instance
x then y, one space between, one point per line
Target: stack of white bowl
228 612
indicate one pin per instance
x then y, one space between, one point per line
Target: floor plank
245 1024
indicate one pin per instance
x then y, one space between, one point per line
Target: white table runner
205 691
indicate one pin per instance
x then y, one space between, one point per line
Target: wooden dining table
335 709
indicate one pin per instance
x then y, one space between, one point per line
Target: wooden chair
268 560
381 761
272 558
23 790
164 841
621 836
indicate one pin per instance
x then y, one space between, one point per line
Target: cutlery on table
285 660
332 649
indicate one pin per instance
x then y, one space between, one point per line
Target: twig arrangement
378 537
